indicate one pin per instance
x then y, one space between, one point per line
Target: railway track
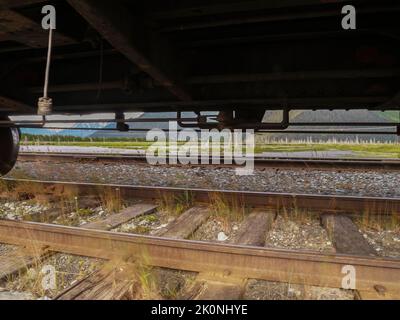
222 269
260 162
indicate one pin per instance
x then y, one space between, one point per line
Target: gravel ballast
341 182
264 290
299 235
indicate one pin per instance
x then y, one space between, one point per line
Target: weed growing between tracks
387 221
111 199
23 190
22 276
173 205
144 282
69 269
296 214
4 187
72 215
227 211
63 204
34 267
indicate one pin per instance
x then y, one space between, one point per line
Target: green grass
363 150
175 205
151 218
107 144
383 150
390 115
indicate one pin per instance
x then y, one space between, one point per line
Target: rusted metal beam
314 203
291 76
126 33
17 261
10 4
246 262
16 27
239 78
242 40
186 9
7 104
271 17
320 103
111 85
107 284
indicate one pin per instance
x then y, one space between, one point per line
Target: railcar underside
239 58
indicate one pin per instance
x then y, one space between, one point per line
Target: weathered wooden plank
14 261
314 268
186 224
118 219
108 284
16 27
114 284
8 104
345 235
252 232
9 4
103 284
17 261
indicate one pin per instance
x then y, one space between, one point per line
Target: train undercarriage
235 58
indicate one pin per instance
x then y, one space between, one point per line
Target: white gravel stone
222 237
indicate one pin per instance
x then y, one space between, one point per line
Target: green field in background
384 150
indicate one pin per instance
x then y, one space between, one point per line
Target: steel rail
260 162
276 201
288 266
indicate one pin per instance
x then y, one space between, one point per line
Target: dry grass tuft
111 200
65 191
139 273
301 216
379 222
32 275
227 210
175 205
4 186
24 190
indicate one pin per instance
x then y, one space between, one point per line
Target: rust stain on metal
314 203
246 262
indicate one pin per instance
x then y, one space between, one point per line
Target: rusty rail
277 201
236 261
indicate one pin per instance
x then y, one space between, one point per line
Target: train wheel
9 148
